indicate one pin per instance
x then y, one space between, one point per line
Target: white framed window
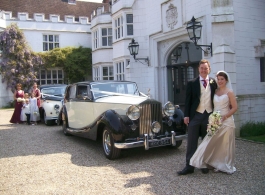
96 73
129 23
107 73
50 42
106 34
120 75
95 39
52 76
119 28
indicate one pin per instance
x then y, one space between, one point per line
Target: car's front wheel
47 122
108 145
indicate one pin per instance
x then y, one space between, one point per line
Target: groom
198 106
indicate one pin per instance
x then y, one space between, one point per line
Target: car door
80 107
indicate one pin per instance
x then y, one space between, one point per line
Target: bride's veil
228 84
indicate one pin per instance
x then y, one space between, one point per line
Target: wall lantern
194 30
134 48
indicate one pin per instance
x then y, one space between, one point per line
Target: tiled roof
60 7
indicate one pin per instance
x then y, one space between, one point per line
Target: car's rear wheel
47 122
108 145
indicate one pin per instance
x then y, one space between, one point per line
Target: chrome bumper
146 141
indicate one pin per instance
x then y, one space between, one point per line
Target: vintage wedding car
121 116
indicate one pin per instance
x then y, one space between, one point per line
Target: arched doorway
182 66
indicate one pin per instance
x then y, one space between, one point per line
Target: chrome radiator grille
150 111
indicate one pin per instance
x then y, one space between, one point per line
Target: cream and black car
121 116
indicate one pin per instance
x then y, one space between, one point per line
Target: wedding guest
18 96
218 150
36 93
26 96
25 113
34 110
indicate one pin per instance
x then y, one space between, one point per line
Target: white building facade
236 29
43 35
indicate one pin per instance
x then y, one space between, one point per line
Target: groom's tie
204 83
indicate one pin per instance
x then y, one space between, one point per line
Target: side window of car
81 92
72 92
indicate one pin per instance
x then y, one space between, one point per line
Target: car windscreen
53 91
106 89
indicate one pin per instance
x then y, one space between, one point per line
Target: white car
121 116
51 102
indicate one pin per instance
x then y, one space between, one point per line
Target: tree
19 63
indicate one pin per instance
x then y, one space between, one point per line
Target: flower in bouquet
20 99
36 113
214 123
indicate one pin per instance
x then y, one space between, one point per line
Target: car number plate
162 142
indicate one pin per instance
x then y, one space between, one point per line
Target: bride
218 151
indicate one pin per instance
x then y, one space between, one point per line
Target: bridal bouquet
20 99
214 123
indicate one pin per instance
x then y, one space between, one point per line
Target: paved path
41 160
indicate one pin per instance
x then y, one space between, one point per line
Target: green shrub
252 129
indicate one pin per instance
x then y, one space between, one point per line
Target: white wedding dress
218 151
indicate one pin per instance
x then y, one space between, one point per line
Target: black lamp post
134 48
194 30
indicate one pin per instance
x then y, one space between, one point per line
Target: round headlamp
133 112
56 107
156 127
169 109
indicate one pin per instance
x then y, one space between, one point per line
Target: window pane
111 71
60 74
104 41
43 82
50 46
48 74
104 31
262 70
45 46
45 38
54 81
56 37
54 74
43 74
49 82
129 29
109 31
56 45
110 41
50 38
105 71
129 18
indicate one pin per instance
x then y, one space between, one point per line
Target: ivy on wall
75 62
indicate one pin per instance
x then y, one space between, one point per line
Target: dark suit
197 121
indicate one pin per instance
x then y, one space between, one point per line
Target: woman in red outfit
18 96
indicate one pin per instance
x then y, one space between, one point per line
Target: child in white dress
25 112
34 110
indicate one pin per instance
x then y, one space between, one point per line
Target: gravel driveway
41 160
